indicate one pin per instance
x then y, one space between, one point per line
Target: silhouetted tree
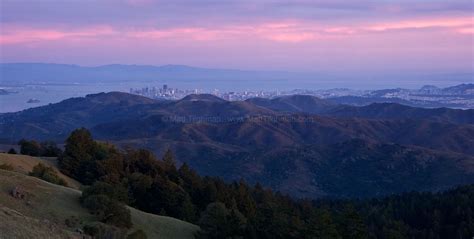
29 147
12 151
50 149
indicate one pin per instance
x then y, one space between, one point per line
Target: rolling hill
46 207
313 105
24 164
235 139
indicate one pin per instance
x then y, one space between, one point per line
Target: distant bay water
51 83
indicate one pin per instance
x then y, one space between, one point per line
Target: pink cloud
427 23
292 37
290 31
18 35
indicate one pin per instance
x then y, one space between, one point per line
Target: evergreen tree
352 225
321 225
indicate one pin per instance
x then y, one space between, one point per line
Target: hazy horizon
304 36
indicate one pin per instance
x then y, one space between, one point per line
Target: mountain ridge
229 138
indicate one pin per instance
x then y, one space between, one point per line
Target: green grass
43 213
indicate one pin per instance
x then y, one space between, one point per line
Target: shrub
47 174
114 192
72 222
6 166
97 199
12 151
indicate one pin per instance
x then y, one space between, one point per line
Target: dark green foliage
217 221
321 225
72 222
82 157
114 192
50 149
102 200
48 174
352 225
12 151
137 234
6 166
422 215
237 210
34 148
31 148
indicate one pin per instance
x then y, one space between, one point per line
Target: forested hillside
237 209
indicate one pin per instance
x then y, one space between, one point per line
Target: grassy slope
24 164
47 206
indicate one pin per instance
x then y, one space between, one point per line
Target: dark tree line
238 210
35 148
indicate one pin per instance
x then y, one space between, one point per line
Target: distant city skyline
358 36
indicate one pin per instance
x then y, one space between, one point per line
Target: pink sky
376 37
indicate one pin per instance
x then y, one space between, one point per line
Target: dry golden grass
24 164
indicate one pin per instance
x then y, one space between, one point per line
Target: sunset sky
298 35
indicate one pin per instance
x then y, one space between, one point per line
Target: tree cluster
238 210
35 148
102 200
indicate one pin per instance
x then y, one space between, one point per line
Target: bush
47 174
113 192
6 166
12 151
97 199
108 211
72 222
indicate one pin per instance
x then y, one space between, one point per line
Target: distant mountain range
428 96
22 73
298 144
13 74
